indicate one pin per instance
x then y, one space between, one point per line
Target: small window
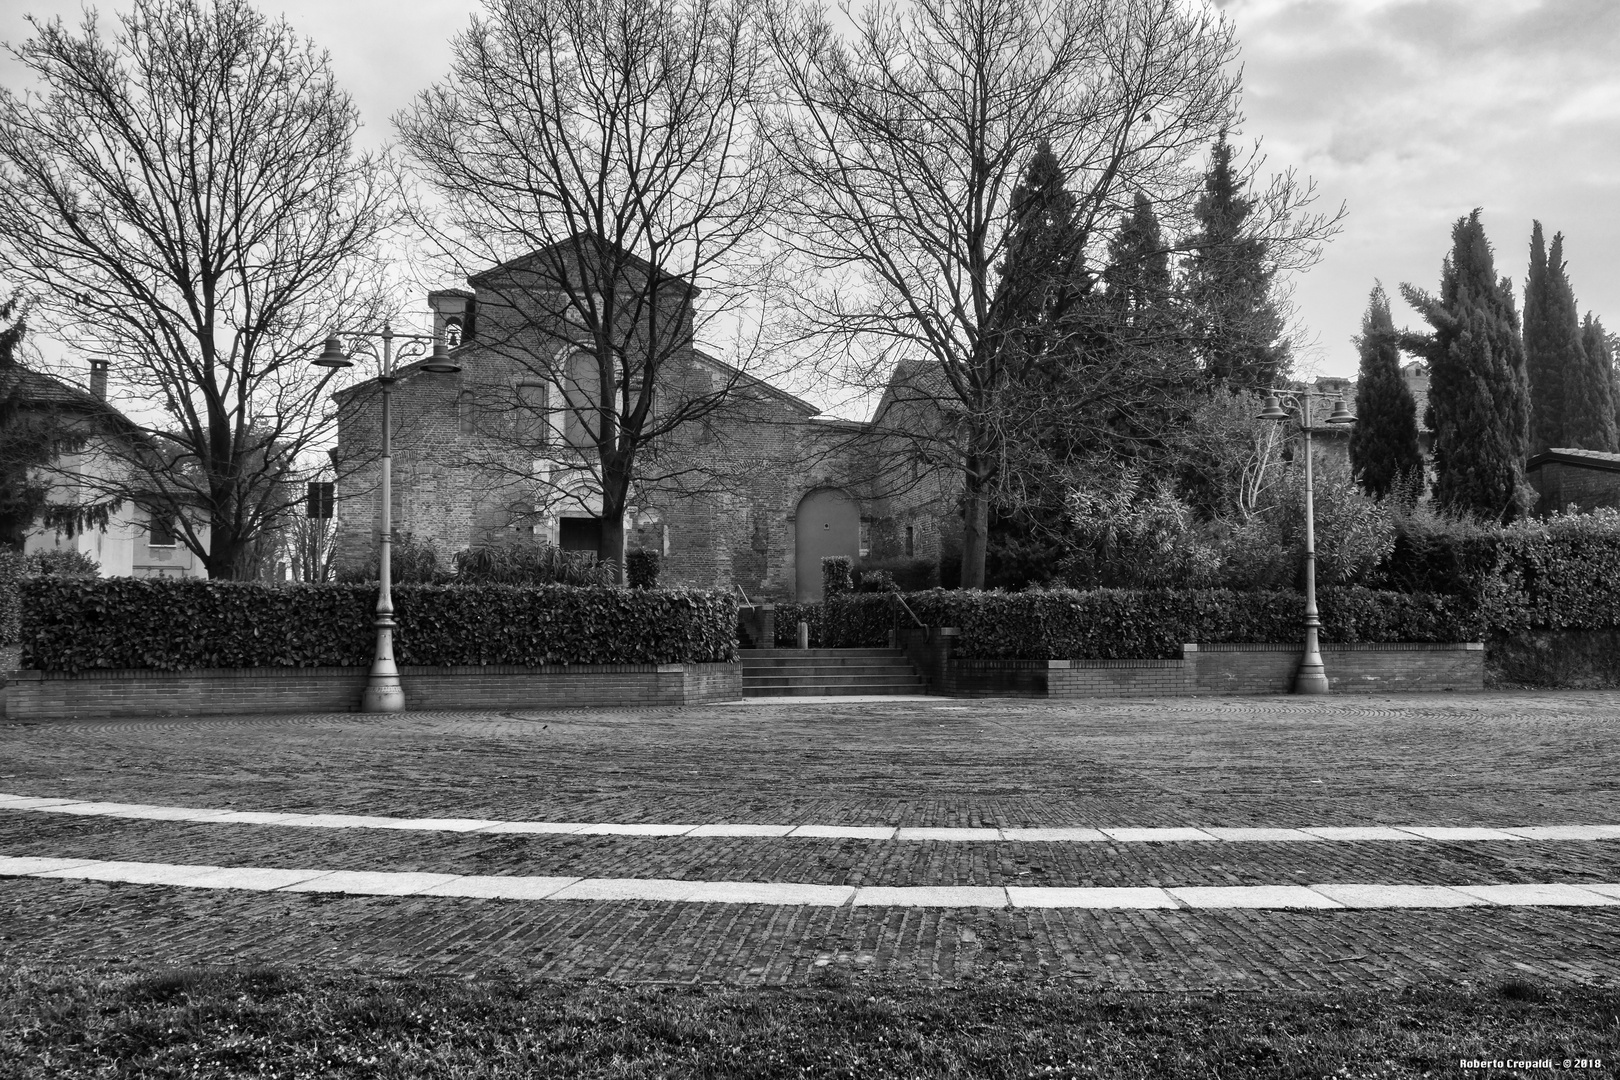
160 531
911 541
866 537
452 332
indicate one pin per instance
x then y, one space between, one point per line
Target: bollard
804 634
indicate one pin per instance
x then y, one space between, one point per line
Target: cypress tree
1588 391
1138 273
1599 346
1478 392
1384 441
1229 279
1543 363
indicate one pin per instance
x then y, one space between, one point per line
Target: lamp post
383 692
1312 677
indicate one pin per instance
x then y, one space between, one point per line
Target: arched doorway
828 523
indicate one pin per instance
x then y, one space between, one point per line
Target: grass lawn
283 1023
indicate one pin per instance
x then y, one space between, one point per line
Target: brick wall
1202 669
36 695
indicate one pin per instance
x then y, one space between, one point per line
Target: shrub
788 617
1438 553
74 624
1104 624
1560 574
61 563
410 561
641 568
868 581
1130 531
540 565
837 575
11 564
909 575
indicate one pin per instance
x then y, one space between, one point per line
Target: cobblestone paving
1504 760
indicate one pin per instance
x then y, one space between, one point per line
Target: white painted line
770 892
627 889
1605 890
845 832
1541 895
1397 896
741 830
101 809
501 888
1263 836
931 896
31 802
610 829
132 873
1440 832
1101 898
262 817
948 834
255 878
1360 832
170 813
27 865
440 824
1566 832
370 883
1252 896
387 883
1156 836
1068 836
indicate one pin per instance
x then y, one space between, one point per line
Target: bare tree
183 202
599 154
905 137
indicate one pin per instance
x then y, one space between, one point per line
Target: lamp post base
383 694
1312 679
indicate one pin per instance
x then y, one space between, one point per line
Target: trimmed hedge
1108 624
1561 574
183 624
11 563
788 617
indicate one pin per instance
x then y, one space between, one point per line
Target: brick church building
750 491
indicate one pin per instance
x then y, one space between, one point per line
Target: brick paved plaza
1507 761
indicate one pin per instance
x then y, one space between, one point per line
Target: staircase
825 672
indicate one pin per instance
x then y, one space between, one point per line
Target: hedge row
1104 624
73 624
10 609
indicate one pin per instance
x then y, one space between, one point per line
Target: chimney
98 379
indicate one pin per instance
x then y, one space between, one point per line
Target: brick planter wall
40 695
1202 669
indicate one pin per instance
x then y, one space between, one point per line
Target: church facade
750 492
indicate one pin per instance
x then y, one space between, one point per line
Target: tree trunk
975 525
615 492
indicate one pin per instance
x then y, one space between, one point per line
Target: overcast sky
1411 112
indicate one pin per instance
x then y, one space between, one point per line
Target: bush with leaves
11 569
174 624
909 575
61 562
837 575
410 562
1130 532
641 569
541 565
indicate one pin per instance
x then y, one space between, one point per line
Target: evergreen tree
1478 392
32 435
1043 274
1138 273
1229 279
1543 362
1384 441
1588 382
1600 349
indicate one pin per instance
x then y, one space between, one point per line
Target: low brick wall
42 695
1201 669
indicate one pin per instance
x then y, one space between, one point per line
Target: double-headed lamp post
1312 677
383 692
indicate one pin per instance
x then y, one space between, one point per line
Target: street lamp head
333 356
440 363
1340 414
1271 409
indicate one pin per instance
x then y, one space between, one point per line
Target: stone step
832 678
816 689
818 654
776 671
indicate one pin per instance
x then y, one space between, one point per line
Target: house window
532 426
160 531
911 541
866 537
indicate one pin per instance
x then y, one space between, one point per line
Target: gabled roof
755 382
583 245
1599 460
